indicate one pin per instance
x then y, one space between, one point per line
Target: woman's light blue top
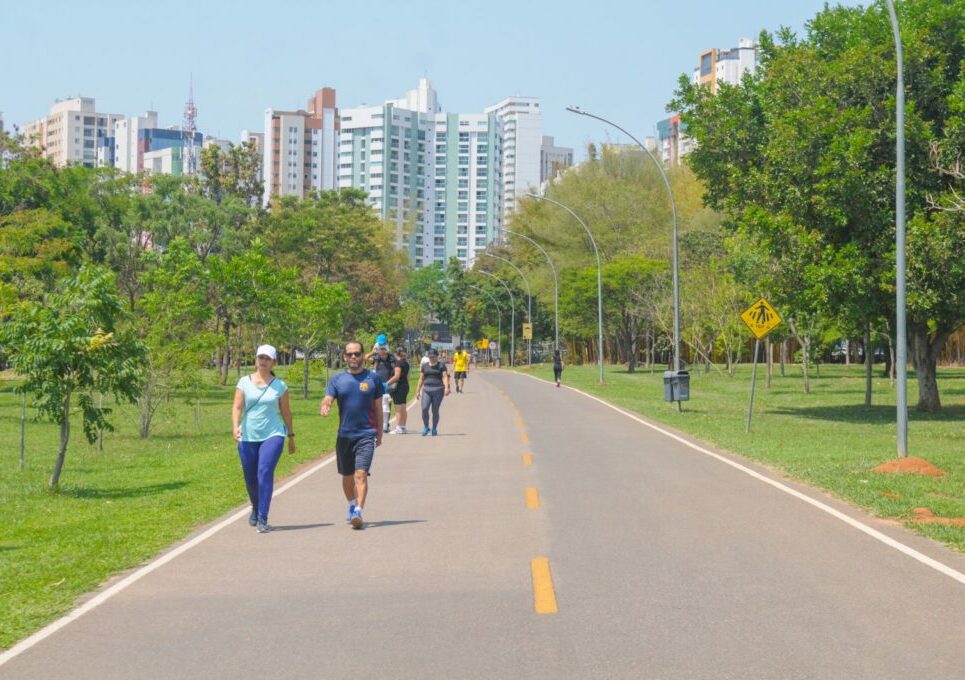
262 417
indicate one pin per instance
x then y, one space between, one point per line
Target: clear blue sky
618 58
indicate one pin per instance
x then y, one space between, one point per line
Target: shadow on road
298 527
392 522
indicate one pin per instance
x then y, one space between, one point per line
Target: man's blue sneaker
357 518
425 431
262 526
253 517
351 510
435 432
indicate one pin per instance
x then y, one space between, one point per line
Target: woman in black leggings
433 386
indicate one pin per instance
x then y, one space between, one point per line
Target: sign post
761 318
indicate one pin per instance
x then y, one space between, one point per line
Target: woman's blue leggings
258 461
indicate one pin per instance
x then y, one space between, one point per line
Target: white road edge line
133 578
101 598
860 526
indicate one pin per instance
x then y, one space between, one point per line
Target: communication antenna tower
188 130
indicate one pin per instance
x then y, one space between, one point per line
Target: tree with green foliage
172 320
316 319
800 157
71 346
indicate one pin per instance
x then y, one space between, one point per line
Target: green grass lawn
120 507
827 438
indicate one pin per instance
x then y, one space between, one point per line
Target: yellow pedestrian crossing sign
761 318
527 331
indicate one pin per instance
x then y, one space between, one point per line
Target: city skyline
627 73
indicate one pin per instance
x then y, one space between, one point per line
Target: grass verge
119 507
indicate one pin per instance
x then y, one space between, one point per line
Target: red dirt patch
926 516
911 465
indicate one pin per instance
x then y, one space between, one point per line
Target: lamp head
575 109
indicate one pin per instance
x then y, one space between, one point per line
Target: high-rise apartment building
553 160
672 140
727 66
436 176
522 125
69 133
299 148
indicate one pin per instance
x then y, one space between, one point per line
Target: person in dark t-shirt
401 394
433 386
384 365
358 392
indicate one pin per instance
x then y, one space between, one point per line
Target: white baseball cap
268 351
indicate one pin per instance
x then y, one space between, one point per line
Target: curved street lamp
512 307
556 280
673 212
499 313
901 341
529 301
599 275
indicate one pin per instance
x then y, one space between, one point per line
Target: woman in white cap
261 418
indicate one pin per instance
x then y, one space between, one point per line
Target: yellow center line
524 437
544 597
520 423
532 497
527 459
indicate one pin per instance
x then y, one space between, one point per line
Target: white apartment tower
299 148
727 66
522 126
436 176
70 131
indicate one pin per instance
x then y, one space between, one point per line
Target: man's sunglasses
353 354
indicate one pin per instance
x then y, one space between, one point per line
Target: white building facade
299 148
435 176
70 131
522 125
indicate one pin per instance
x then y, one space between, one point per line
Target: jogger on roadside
557 366
261 419
359 393
460 367
433 386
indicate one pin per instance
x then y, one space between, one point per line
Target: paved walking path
663 563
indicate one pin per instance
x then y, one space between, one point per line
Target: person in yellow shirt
460 367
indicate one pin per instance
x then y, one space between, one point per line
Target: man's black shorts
460 375
353 454
401 394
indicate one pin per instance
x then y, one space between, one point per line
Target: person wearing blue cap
389 371
261 419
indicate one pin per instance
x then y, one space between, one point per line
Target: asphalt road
664 562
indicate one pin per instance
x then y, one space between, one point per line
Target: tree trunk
305 374
784 352
769 357
64 437
869 357
924 353
226 356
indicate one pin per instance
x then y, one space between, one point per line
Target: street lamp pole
499 314
673 212
901 358
512 307
599 275
529 302
556 281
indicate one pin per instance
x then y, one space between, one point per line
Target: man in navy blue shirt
358 392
